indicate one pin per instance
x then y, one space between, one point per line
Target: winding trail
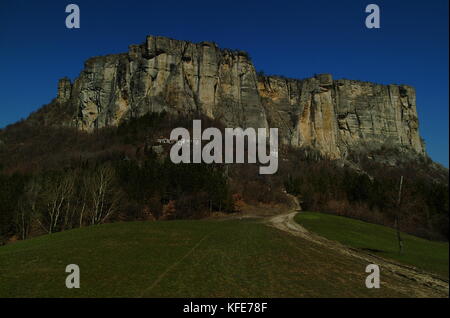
425 284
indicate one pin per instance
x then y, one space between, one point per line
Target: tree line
58 178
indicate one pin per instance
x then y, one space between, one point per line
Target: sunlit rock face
335 116
175 76
185 78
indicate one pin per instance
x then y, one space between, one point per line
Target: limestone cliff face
335 116
186 78
165 74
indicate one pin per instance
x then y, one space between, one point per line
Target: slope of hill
225 258
379 240
37 161
343 146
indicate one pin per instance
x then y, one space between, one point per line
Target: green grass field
238 258
428 255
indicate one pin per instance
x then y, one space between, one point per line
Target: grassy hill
234 258
428 255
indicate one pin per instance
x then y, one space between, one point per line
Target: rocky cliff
180 77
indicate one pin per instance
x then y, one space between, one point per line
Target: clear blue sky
294 38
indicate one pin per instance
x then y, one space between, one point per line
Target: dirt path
423 284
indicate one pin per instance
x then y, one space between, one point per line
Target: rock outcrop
334 116
64 90
183 78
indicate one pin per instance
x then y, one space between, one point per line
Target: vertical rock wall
180 77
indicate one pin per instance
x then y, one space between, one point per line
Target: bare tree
83 196
397 221
103 198
58 196
28 207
